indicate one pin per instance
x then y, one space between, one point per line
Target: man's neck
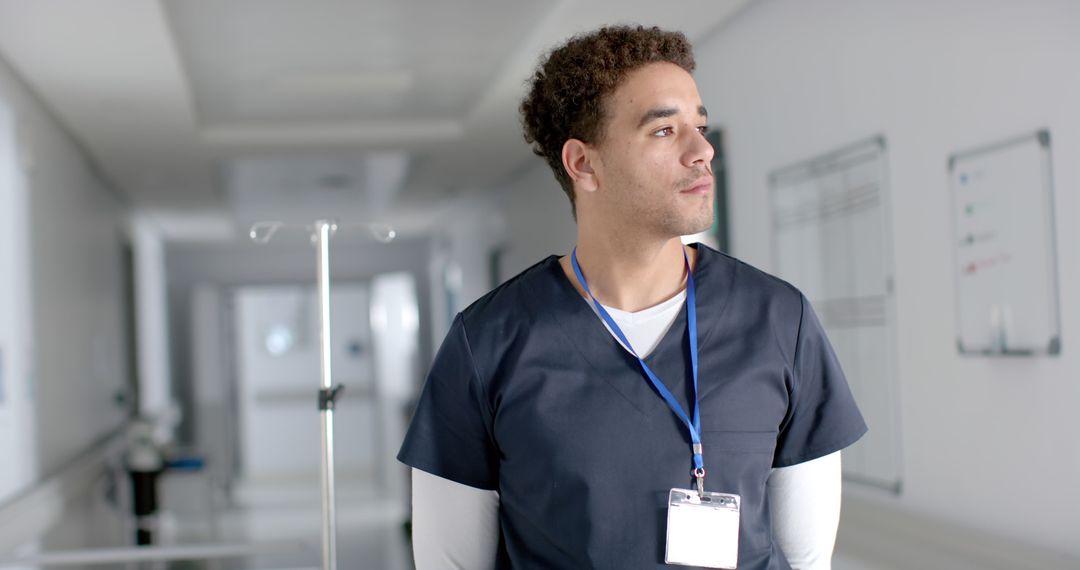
630 275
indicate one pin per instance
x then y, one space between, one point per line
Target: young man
542 440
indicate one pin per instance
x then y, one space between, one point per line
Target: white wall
788 80
71 343
538 219
474 229
460 257
16 405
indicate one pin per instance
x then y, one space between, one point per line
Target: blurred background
911 165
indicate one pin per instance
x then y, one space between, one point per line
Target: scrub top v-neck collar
586 331
582 322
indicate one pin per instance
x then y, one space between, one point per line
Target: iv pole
320 234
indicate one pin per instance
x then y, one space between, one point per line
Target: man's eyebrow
663 112
653 114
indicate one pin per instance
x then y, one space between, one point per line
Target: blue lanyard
691 317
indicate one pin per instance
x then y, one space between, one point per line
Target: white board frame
1004 248
808 190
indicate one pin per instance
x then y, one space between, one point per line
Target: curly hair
567 93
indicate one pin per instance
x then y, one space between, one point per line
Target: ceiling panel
284 61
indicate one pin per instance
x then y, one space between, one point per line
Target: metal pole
323 229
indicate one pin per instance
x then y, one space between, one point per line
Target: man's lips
700 186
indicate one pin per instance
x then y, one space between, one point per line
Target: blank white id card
702 530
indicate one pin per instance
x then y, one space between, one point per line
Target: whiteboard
831 238
1004 255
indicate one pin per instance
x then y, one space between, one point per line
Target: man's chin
685 225
697 227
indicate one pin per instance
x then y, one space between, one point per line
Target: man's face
653 168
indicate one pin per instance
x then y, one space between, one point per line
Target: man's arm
454 526
804 500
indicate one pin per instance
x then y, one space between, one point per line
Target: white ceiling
197 104
287 62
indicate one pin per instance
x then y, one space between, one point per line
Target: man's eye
703 129
666 131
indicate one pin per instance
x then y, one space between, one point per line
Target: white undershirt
645 328
457 527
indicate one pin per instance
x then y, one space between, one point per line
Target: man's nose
698 151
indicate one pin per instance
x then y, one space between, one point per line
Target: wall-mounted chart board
832 239
1004 253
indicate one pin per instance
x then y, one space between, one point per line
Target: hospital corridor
479 284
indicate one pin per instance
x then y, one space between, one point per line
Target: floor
280 523
265 528
275 526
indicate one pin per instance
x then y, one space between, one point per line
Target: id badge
702 530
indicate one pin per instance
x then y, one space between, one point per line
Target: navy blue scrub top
531 396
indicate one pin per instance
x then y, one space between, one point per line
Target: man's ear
577 160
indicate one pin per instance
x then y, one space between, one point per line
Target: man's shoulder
748 282
514 298
757 300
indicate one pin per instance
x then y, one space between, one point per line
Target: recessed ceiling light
365 82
